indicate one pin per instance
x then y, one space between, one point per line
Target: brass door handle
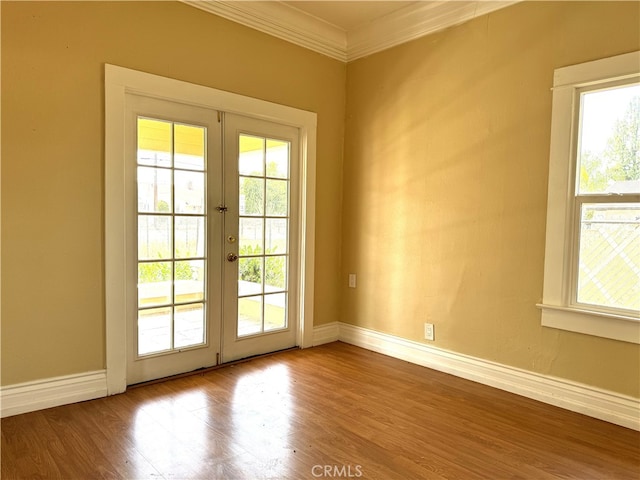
232 257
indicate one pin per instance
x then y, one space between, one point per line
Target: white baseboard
326 333
602 404
52 392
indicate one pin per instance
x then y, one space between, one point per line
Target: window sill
599 324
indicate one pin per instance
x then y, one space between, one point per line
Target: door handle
232 257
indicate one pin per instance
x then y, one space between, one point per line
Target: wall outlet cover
429 331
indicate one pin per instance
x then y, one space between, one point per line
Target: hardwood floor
335 411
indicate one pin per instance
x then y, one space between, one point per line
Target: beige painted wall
445 184
53 320
445 173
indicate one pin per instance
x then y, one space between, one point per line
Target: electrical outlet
352 280
429 331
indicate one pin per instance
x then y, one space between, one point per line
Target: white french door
174 161
260 277
215 250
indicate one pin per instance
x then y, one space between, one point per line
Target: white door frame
118 82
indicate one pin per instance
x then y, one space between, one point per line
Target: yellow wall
445 184
445 173
53 320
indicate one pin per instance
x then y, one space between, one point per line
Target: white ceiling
347 15
349 29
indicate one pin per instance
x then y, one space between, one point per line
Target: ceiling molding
295 26
281 21
414 21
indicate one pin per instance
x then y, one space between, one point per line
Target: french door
216 233
260 235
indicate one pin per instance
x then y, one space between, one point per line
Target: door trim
118 82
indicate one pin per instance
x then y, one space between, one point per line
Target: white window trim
557 308
118 82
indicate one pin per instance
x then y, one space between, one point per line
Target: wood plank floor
334 411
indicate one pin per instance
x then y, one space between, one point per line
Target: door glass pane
154 237
277 198
249 315
276 235
251 156
189 325
154 190
277 159
190 233
173 189
154 330
263 194
189 147
154 283
251 196
189 283
608 140
275 311
154 142
275 273
609 258
189 192
250 241
249 276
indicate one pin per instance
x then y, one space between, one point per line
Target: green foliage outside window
161 272
250 268
253 193
621 155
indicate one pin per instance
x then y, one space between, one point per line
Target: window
592 258
171 179
263 198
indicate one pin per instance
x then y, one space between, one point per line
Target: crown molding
415 21
295 26
281 21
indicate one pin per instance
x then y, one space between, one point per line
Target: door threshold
203 370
